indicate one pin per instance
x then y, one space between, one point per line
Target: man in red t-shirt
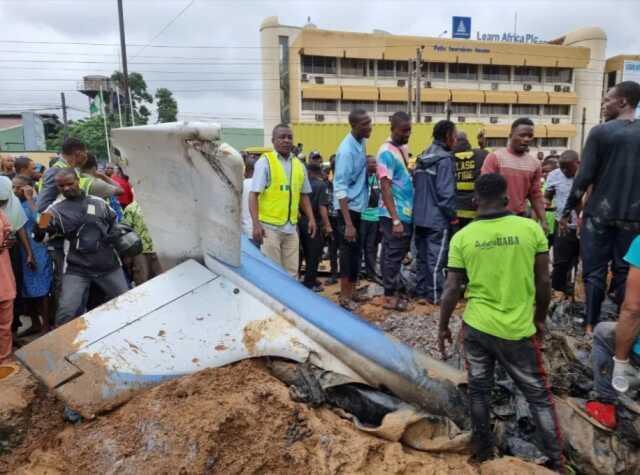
521 170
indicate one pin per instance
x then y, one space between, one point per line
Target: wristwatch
396 222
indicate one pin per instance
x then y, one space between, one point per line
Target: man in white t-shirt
247 224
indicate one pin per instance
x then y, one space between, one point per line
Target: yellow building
315 76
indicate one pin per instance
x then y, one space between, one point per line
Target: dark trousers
566 251
433 251
601 244
522 360
334 244
369 230
312 252
350 250
394 250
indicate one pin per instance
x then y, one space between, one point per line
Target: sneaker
602 412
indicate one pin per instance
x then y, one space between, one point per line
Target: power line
171 22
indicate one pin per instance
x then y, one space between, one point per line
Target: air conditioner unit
557 88
555 120
319 80
526 87
402 82
461 119
493 120
428 118
494 86
304 77
319 117
427 84
566 89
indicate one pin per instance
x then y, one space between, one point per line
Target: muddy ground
236 419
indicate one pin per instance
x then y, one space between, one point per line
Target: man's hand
258 233
28 192
444 334
350 232
31 263
312 228
328 230
398 230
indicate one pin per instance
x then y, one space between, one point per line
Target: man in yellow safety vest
279 188
468 166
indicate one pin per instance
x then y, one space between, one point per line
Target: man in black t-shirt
312 246
611 166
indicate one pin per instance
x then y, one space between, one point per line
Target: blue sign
461 27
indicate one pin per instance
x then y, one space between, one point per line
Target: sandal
401 305
348 305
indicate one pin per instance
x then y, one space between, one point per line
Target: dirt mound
236 419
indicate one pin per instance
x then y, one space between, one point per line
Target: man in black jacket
610 165
85 222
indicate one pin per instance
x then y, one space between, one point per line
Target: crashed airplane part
237 305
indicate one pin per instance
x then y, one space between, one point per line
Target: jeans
394 250
312 251
334 244
601 244
602 351
74 287
521 359
433 251
369 231
566 251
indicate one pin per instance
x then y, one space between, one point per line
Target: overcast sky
224 83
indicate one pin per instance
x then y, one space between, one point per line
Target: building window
463 71
319 105
556 110
524 110
348 106
461 108
402 69
385 68
494 109
433 70
527 74
433 107
318 65
353 67
392 106
611 79
495 142
558 75
554 142
492 72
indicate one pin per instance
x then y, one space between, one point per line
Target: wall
327 137
12 139
241 138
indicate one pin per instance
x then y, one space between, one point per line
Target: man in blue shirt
350 198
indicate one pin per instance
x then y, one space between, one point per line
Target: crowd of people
61 246
472 223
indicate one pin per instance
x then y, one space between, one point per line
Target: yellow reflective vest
279 202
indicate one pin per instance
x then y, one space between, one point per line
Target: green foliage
90 131
139 95
167 106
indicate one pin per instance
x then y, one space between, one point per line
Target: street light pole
123 52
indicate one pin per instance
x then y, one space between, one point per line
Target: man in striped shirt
521 170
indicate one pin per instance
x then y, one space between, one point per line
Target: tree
167 106
139 95
90 132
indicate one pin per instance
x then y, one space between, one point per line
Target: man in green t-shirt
503 260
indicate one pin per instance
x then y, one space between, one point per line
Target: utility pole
584 123
64 116
418 85
409 87
123 52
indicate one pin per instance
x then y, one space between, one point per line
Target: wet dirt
235 419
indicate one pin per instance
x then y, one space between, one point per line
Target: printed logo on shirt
500 241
